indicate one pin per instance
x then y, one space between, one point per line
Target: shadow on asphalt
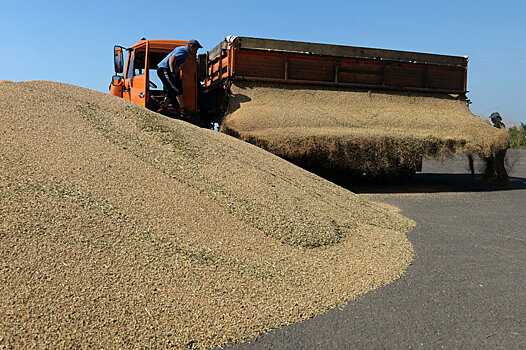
440 182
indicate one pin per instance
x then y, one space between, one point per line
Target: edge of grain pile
121 227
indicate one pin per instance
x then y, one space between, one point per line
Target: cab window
138 64
129 70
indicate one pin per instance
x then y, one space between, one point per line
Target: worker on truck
169 72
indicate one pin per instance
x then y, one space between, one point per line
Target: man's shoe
185 114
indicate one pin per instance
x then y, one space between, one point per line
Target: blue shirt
181 55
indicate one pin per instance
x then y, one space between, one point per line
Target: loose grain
334 131
122 228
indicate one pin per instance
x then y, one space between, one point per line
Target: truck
206 78
209 78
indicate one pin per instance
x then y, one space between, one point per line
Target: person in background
495 163
169 71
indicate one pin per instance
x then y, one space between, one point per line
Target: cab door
136 80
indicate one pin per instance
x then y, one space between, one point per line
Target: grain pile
120 227
349 132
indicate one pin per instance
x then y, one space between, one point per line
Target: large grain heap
122 228
338 131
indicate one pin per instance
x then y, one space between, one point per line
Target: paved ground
467 285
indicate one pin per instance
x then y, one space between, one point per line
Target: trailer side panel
331 65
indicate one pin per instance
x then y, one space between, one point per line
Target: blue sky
72 42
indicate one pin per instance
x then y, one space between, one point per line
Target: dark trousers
495 164
172 84
499 164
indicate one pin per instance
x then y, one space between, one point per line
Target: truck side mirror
117 57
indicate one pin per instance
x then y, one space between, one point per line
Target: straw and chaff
339 132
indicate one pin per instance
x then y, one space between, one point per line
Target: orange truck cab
136 77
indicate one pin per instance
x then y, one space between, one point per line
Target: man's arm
173 65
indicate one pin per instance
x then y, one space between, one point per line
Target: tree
518 136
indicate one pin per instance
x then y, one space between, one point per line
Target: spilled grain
122 228
334 131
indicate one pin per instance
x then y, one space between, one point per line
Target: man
495 163
169 71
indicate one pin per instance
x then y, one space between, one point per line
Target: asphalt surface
466 288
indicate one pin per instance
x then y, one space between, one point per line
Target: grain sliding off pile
120 227
342 131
